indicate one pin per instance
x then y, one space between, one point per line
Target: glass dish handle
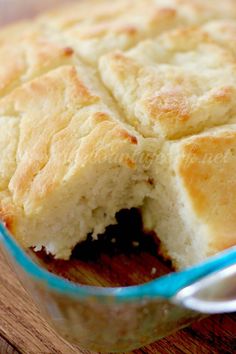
215 293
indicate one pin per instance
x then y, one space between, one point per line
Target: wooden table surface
23 330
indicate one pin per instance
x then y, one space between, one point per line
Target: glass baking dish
124 318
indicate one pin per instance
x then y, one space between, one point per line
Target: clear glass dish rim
164 287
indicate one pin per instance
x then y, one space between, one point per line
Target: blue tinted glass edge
164 287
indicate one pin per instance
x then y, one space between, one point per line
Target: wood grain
21 323
6 347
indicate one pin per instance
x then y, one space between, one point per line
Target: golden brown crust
119 24
223 32
206 166
176 85
32 53
74 128
122 24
